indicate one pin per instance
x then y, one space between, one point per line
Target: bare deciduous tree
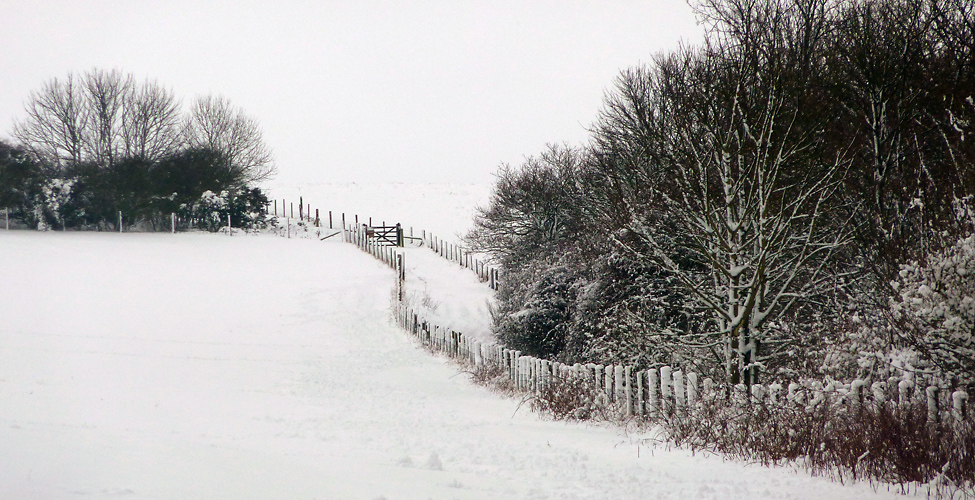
215 124
100 118
151 124
106 95
730 155
56 119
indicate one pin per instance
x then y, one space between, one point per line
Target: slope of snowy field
443 209
159 366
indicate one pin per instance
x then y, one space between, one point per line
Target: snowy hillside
444 209
164 366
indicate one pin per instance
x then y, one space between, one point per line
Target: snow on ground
447 294
445 210
159 366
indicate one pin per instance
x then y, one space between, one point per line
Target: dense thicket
753 206
100 144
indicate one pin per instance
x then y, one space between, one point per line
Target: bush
937 300
245 208
894 444
569 398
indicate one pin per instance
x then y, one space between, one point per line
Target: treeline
792 197
100 144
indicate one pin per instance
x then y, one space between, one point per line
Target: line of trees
94 145
764 204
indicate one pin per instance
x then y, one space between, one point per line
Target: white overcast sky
360 91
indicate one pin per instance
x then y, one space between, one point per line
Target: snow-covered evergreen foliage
244 207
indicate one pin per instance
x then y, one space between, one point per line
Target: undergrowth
891 444
874 443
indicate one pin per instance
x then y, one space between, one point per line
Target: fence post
959 407
172 219
665 388
653 383
120 221
628 389
904 387
932 394
6 217
679 396
691 388
639 392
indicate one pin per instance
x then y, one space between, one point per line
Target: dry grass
894 445
875 443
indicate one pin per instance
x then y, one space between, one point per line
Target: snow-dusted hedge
938 298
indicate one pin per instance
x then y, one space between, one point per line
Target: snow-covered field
186 366
443 209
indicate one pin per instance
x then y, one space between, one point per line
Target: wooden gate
387 236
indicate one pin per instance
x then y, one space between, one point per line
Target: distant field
445 209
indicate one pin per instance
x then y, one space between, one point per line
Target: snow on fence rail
650 392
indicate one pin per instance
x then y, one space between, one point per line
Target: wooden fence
664 391
356 231
649 392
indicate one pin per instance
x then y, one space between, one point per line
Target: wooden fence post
665 388
679 398
619 383
903 392
932 395
628 389
639 392
959 406
691 388
653 386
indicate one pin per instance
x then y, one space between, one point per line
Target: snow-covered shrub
938 299
635 313
52 206
537 314
244 207
569 398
